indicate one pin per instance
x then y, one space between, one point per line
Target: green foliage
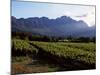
84 39
20 59
80 52
34 37
23 45
84 52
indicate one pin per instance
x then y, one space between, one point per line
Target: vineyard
82 52
22 47
71 56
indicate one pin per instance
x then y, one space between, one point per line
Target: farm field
33 56
52 37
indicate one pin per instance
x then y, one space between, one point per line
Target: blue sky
33 9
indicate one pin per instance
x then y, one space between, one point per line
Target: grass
78 51
22 45
51 56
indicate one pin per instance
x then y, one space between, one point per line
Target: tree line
31 37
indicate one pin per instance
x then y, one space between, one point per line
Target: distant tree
94 39
69 37
84 39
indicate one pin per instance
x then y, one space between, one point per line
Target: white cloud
69 13
88 16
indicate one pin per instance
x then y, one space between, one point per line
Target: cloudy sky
33 9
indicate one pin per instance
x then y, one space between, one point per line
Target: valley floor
41 57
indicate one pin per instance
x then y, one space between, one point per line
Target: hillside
61 26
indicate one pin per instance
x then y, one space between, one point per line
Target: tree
94 39
84 39
69 37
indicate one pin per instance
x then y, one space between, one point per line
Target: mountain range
61 26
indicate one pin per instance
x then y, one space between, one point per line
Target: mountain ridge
61 26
